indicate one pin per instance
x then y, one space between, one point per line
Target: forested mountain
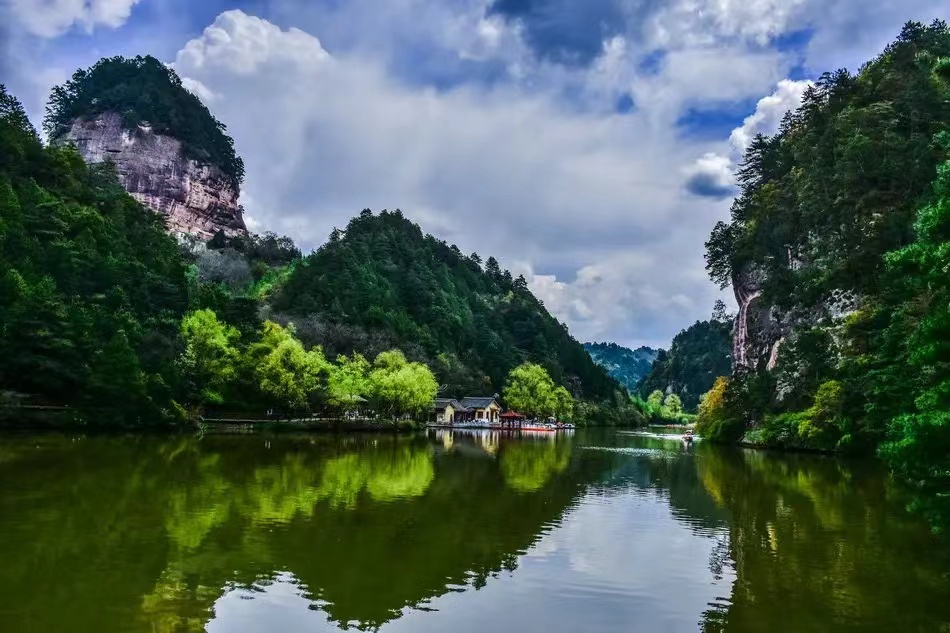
383 282
91 287
625 365
698 355
838 253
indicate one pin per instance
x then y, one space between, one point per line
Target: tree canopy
530 390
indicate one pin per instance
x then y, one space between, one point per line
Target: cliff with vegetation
169 152
626 366
837 253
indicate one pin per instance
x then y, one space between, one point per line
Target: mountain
92 287
837 253
698 355
382 282
625 365
170 153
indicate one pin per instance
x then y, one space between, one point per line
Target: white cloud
704 21
712 173
502 171
447 112
769 112
50 18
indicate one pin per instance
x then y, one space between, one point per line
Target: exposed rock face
195 199
761 329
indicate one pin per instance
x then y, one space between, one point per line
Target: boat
688 437
537 427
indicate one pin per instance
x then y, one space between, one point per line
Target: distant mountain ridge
626 365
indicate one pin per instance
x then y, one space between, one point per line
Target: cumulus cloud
497 125
769 112
711 175
50 18
504 172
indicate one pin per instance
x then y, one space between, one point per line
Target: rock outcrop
760 329
194 198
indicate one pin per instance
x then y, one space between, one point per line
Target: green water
465 532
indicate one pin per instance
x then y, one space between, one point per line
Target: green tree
655 400
563 402
398 387
530 390
348 380
209 360
673 405
287 375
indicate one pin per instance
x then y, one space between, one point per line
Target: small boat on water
688 436
550 425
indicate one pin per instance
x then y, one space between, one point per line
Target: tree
719 312
530 390
655 400
209 361
398 387
564 402
673 405
348 381
286 373
713 408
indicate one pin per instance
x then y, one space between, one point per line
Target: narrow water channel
465 532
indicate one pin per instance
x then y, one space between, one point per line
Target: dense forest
626 366
851 199
698 355
382 282
144 90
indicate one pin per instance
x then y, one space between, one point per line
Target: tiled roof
478 402
442 403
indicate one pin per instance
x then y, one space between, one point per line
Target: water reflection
463 531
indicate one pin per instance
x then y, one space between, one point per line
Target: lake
463 532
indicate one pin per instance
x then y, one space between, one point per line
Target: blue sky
588 144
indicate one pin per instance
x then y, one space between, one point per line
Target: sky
587 144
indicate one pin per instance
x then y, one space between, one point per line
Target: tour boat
537 427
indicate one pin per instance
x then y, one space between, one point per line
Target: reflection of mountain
158 529
818 546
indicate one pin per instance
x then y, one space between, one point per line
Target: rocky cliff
194 198
761 329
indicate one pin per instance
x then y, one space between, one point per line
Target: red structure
511 419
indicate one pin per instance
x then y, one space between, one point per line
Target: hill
837 253
698 355
626 366
382 282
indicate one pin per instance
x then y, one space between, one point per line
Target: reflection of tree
527 465
367 526
818 546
